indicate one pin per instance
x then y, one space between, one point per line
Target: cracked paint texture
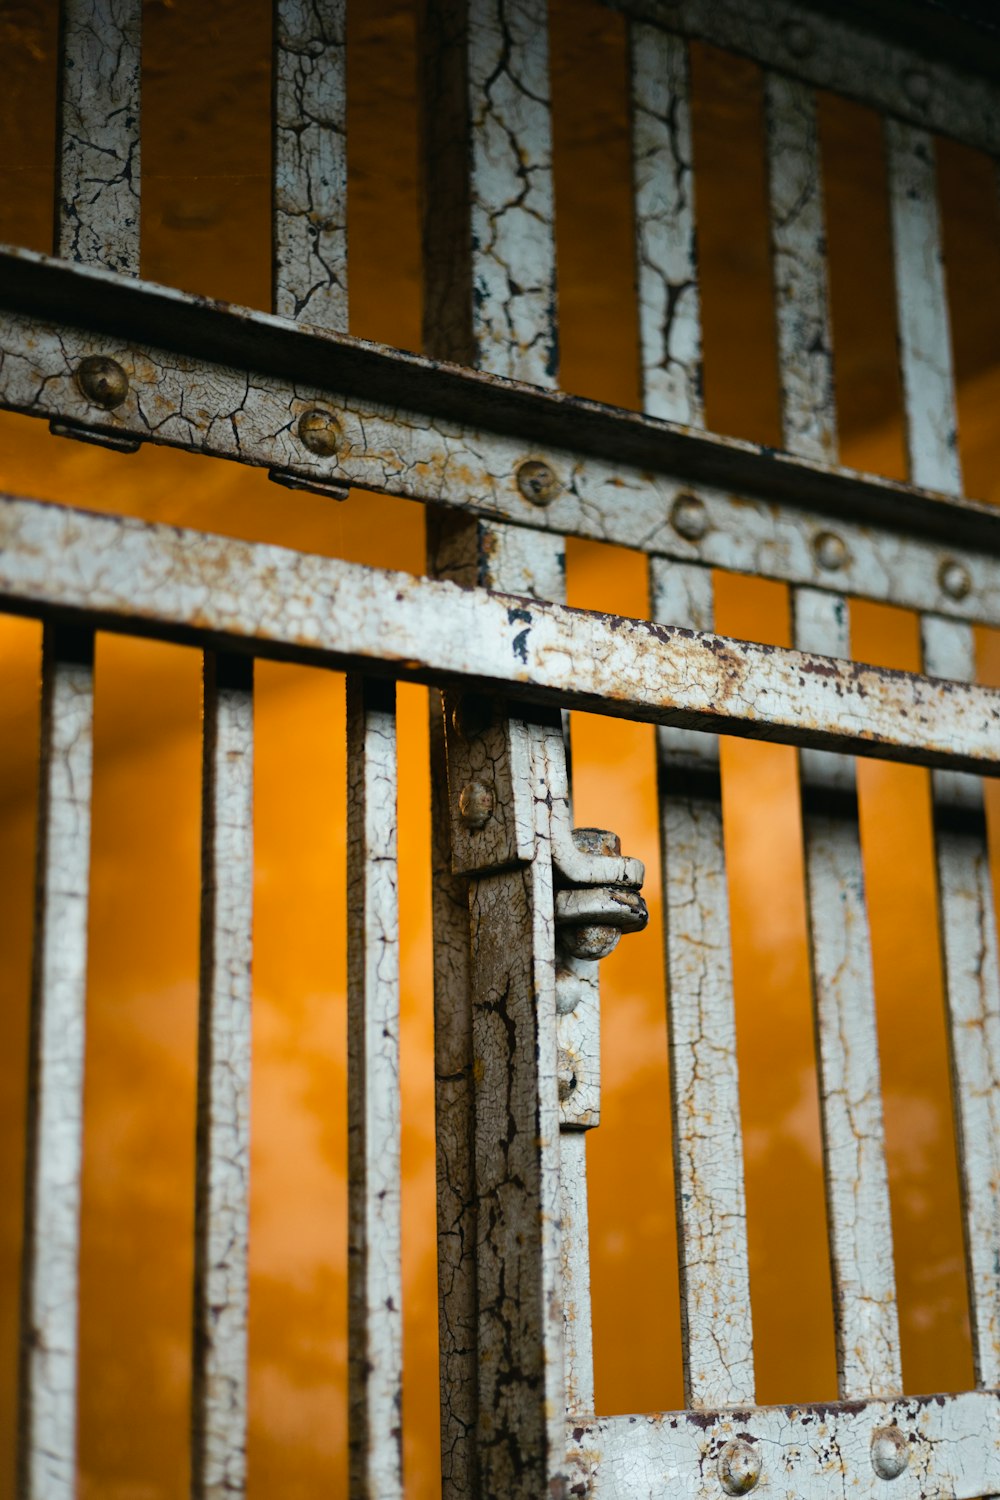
798 248
98 170
922 309
186 584
251 418
375 1317
310 162
972 991
666 243
701 1028
806 1453
47 1417
222 1203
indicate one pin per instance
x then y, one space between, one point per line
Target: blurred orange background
206 198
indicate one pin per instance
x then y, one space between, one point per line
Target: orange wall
205 228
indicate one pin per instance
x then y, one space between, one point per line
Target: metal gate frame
524 905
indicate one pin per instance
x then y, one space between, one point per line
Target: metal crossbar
525 906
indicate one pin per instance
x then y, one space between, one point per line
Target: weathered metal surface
222 1199
489 240
158 580
835 52
798 249
922 310
521 1424
951 1445
50 1278
666 247
972 990
310 162
701 1030
859 1221
627 480
373 1101
97 203
489 274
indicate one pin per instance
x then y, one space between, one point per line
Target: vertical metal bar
97 208
798 248
489 266
310 162
375 1315
857 1189
489 245
666 249
708 1137
972 990
701 1023
857 1185
222 1196
50 1276
922 309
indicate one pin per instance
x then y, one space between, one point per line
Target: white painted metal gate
525 906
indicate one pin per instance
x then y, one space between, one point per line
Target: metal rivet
890 1453
319 432
102 381
798 39
689 518
830 551
918 87
475 805
739 1467
537 482
954 579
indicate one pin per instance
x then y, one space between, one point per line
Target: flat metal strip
222 1197
922 310
929 1448
644 499
972 990
859 1221
701 1027
666 245
373 1099
310 162
798 253
54 1147
835 52
857 1188
97 199
145 579
489 273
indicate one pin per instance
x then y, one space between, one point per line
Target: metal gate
525 906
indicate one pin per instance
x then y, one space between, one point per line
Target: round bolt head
537 482
475 805
319 431
739 1467
593 941
830 551
917 86
689 518
890 1452
102 381
954 579
798 39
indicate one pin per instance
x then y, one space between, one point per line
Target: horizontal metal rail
837 53
931 1448
128 575
331 411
